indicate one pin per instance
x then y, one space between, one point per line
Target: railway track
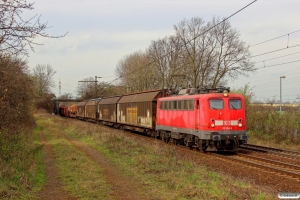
275 151
271 166
281 169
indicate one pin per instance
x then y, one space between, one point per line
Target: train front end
224 122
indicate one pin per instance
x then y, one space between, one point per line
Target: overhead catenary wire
148 64
277 57
277 64
274 39
274 51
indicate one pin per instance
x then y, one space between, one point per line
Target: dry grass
158 169
82 177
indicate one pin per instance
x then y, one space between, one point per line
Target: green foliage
265 122
19 155
16 96
247 92
21 167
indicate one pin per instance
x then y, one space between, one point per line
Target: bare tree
86 89
201 53
16 96
212 53
135 72
17 33
271 100
194 49
43 77
165 57
66 95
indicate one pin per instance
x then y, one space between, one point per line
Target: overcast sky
101 32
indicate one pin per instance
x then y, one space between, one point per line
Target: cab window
162 105
216 104
235 104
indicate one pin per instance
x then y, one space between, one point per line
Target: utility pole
96 100
281 77
59 88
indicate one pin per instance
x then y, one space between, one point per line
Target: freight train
208 119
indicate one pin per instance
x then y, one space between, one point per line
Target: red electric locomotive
208 119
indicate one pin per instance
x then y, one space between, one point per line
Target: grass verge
158 169
81 177
21 174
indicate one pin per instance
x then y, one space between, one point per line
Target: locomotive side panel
176 114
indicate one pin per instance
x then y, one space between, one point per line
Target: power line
148 64
274 38
278 64
277 57
274 51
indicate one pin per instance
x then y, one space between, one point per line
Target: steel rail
285 152
282 172
273 162
289 174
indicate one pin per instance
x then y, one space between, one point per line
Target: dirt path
122 187
53 188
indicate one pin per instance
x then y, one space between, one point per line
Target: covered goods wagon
137 111
108 110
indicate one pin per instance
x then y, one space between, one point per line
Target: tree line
200 53
21 89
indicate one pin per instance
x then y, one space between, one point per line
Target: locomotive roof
220 95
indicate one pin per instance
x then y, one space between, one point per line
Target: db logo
226 123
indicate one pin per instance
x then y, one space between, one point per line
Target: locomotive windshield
216 104
235 104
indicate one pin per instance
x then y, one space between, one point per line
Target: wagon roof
139 97
90 103
73 105
110 100
81 103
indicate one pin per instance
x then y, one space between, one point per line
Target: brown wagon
137 111
80 114
108 110
90 110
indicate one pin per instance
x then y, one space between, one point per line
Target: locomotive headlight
212 123
240 122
